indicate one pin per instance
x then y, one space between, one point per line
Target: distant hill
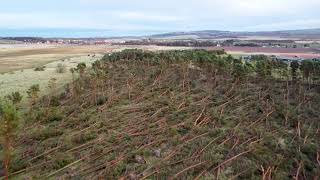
204 34
194 34
214 34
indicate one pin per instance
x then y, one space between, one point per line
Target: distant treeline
211 43
26 39
184 43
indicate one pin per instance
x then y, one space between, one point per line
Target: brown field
17 64
17 57
287 52
24 57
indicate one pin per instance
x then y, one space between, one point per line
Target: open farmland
21 80
17 57
20 56
18 61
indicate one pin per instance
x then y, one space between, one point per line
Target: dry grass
22 80
17 63
17 57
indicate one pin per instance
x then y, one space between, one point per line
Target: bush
61 68
33 92
15 97
101 100
17 164
40 68
61 160
55 116
84 137
54 101
46 133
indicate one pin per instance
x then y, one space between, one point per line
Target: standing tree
238 69
282 68
307 69
241 70
9 120
263 66
294 68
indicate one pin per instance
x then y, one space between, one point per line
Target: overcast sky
161 15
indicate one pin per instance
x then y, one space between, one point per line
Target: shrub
17 164
55 116
61 160
101 100
84 137
33 93
81 68
54 101
40 68
61 68
15 97
46 133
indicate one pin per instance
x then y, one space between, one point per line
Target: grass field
21 80
20 56
17 57
17 63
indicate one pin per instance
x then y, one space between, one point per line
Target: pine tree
9 120
294 68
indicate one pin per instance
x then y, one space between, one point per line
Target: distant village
64 41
